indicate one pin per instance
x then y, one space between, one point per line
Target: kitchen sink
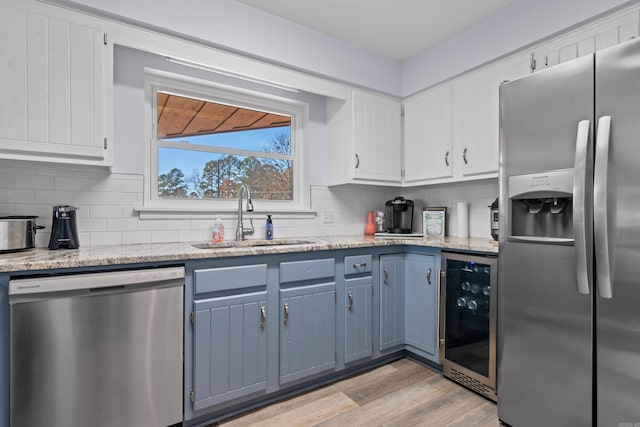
250 243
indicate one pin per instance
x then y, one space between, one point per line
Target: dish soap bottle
269 228
218 231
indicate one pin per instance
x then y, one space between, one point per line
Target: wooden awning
181 117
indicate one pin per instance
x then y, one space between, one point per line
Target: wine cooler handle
600 208
580 205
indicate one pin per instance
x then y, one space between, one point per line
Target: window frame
156 80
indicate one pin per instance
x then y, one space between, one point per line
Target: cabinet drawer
224 278
357 264
307 270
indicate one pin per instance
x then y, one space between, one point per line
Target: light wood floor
403 393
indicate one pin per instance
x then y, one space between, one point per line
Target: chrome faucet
240 230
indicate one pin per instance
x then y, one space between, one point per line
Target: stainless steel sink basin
250 243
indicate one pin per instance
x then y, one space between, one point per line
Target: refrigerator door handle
579 206
600 232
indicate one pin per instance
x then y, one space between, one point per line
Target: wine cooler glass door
469 315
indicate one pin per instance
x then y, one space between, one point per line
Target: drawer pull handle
263 317
360 265
286 313
350 304
429 276
386 274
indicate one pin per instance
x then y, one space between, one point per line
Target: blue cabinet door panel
307 331
391 301
359 318
421 308
230 348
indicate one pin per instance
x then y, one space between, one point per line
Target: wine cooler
468 321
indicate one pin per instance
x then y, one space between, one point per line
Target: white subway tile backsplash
165 236
106 238
131 186
89 198
17 196
122 199
92 224
35 182
122 224
72 184
6 180
105 184
136 237
105 211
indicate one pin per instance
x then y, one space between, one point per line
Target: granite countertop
43 259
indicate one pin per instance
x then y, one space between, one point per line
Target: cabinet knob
386 275
464 156
286 313
429 276
350 297
263 317
446 158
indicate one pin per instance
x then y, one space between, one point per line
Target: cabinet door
359 318
52 86
230 348
475 114
428 135
307 331
391 301
421 308
376 134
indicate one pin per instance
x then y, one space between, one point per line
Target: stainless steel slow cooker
17 232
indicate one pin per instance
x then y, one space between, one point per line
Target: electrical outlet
328 216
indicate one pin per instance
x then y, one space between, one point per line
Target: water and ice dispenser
541 206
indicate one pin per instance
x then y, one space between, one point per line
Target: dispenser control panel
542 184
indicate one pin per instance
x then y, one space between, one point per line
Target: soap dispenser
269 228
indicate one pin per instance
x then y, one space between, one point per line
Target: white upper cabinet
592 38
451 130
428 138
475 115
52 64
365 139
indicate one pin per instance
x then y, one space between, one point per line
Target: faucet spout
241 232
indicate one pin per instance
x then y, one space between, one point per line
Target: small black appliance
399 215
64 231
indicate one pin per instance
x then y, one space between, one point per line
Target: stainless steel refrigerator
569 268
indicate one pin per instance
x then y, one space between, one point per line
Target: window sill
204 213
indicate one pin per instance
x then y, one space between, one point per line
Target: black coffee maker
399 215
64 231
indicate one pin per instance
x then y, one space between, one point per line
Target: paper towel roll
462 209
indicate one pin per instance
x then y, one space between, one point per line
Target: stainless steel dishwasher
99 349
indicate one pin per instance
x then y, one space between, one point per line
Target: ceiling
397 29
181 117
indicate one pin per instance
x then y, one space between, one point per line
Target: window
207 140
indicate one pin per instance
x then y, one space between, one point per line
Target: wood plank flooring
402 393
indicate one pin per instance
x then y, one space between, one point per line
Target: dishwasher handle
94 281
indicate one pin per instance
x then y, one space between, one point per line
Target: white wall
237 27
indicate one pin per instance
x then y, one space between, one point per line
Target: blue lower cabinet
358 318
421 305
230 348
391 301
307 331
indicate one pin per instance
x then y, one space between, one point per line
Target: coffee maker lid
65 208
